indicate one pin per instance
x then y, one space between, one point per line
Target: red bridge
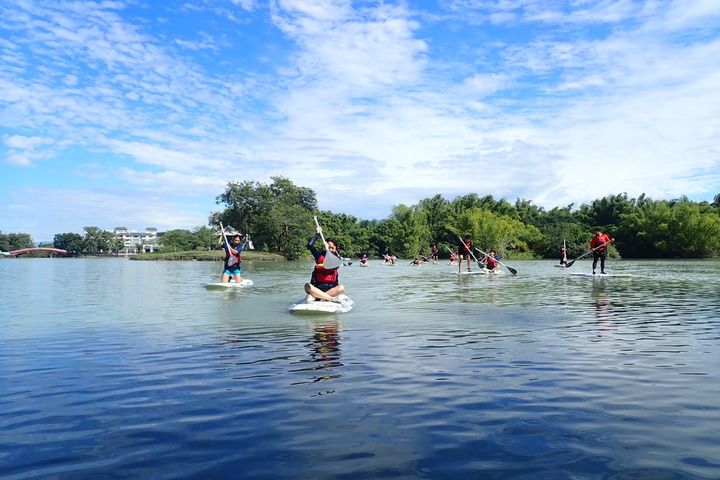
59 251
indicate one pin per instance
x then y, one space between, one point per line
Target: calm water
124 369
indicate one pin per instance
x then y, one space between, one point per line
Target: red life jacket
491 263
321 274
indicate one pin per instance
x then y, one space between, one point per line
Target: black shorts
323 286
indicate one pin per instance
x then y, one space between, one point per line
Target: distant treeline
279 217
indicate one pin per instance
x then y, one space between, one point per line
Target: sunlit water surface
126 369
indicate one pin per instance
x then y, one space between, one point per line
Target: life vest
229 256
491 263
321 274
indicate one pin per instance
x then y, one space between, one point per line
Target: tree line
279 217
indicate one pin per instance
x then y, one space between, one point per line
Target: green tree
96 240
490 231
205 238
72 242
116 244
278 216
177 240
18 241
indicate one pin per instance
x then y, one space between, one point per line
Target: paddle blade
512 270
332 261
569 264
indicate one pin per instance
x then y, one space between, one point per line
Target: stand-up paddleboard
600 275
225 285
320 306
480 272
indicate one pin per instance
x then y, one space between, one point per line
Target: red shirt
598 240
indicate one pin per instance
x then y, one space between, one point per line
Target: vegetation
15 241
279 216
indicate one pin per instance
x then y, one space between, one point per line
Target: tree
279 215
205 238
490 231
96 240
116 244
72 242
177 240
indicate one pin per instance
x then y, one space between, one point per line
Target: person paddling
598 246
465 252
232 259
324 283
491 264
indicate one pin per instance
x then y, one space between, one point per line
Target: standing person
232 259
563 255
324 284
465 252
435 253
598 245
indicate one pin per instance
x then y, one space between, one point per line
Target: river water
126 369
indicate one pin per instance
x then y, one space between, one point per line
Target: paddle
570 263
332 260
512 270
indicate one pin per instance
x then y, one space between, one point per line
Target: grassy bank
212 255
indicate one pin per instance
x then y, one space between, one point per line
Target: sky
138 113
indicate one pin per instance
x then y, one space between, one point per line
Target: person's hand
318 229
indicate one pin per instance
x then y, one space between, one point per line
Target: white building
137 242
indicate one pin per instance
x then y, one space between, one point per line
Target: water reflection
323 361
603 306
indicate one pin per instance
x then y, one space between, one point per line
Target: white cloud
361 104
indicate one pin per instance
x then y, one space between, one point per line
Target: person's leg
311 289
225 276
602 262
336 291
595 260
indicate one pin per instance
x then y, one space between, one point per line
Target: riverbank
211 255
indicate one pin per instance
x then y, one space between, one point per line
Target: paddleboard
320 306
220 285
600 275
480 272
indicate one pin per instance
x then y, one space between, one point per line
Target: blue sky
138 113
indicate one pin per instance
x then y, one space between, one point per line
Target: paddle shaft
512 270
570 263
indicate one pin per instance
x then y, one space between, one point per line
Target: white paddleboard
600 275
223 285
320 306
480 272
